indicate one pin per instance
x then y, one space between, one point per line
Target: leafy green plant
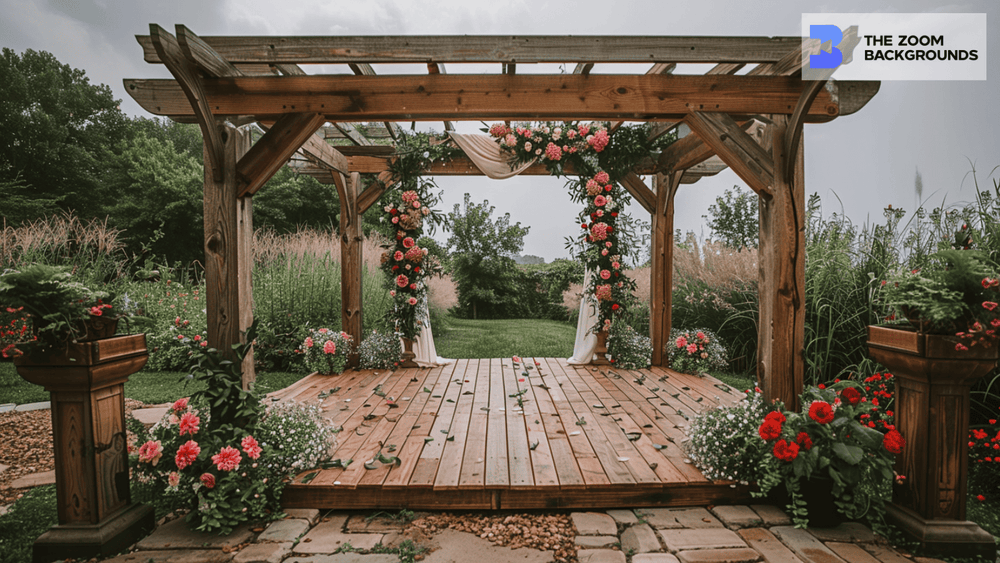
326 350
695 351
26 519
824 442
724 442
628 349
379 350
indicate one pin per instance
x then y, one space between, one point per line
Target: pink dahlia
208 480
602 177
251 447
150 452
599 231
180 405
186 454
600 200
189 424
329 347
227 459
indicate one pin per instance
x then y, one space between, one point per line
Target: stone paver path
722 534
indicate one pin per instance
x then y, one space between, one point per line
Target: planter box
87 385
932 412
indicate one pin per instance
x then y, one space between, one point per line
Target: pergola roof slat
494 49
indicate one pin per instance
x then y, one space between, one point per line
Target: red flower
980 498
894 441
804 440
189 423
186 454
769 430
180 405
208 480
989 305
227 459
776 416
851 395
821 412
785 451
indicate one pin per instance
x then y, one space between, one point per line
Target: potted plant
61 309
832 458
950 342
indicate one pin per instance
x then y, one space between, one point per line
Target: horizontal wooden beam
494 49
463 166
474 97
736 148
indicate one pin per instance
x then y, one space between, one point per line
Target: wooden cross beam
274 149
494 49
468 97
740 151
365 69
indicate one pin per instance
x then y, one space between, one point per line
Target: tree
734 219
56 131
487 279
289 201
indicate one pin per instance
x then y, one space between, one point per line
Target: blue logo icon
826 59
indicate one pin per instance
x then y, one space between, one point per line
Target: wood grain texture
737 149
466 97
781 337
351 261
203 56
661 271
228 238
273 150
494 49
451 419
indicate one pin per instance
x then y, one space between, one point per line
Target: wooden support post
781 286
350 262
228 259
662 271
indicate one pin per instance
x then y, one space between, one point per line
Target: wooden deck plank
542 463
473 474
413 445
450 467
634 421
671 434
586 457
427 466
625 452
367 426
410 403
497 472
570 468
520 471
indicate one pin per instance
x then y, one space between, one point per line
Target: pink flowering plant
326 351
407 209
956 294
216 453
695 351
599 161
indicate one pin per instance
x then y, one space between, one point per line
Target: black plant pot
818 494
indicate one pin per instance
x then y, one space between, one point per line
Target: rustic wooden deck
582 437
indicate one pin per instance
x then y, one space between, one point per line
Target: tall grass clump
92 249
297 279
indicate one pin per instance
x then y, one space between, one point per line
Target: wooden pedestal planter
87 383
601 351
932 413
406 359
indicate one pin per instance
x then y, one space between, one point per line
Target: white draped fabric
486 154
425 355
586 341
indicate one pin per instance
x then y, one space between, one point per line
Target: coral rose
227 459
186 454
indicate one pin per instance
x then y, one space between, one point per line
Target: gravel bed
546 532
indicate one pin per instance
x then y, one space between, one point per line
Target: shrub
695 351
379 350
326 350
297 435
627 348
724 443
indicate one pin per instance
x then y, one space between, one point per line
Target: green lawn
465 338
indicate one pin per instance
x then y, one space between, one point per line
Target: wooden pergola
750 122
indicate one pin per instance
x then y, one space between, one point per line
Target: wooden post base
601 351
110 536
956 538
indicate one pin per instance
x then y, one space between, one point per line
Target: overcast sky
862 162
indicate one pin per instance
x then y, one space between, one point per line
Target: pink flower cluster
599 140
599 231
603 292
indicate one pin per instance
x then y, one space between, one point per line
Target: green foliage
290 201
175 310
379 350
627 348
231 407
57 131
326 350
733 218
27 519
482 261
20 204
